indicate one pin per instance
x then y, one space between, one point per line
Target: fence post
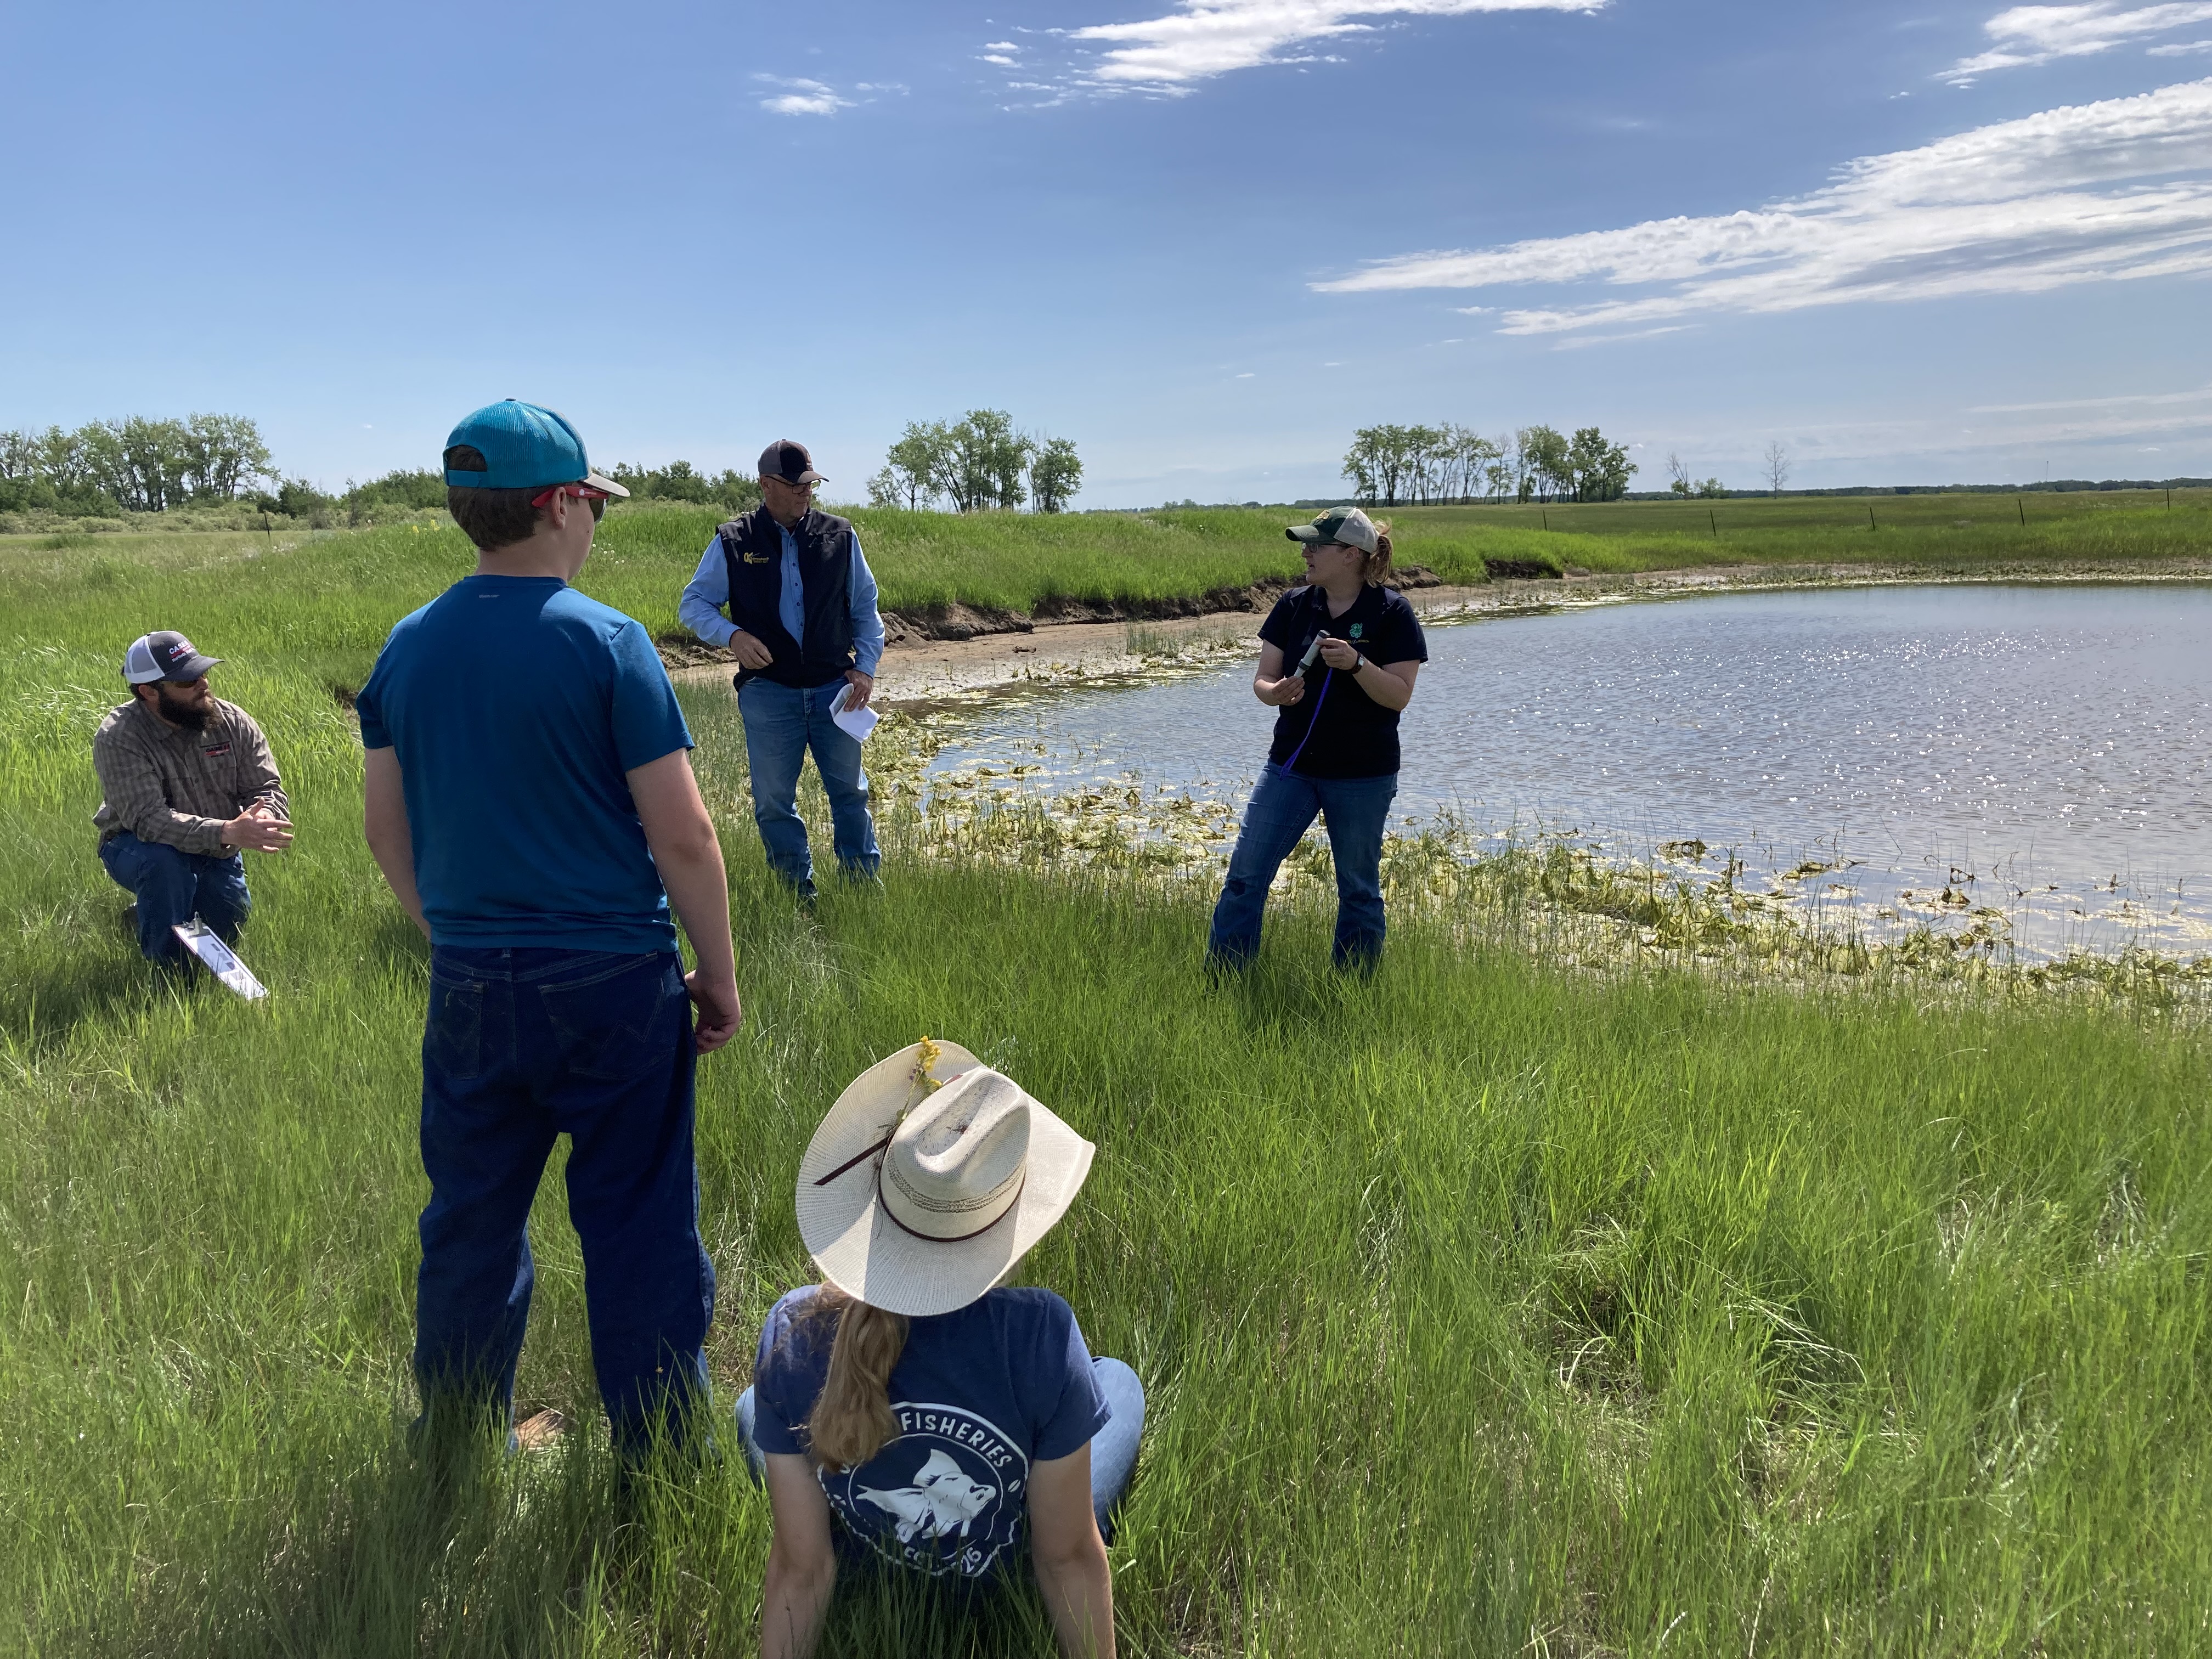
2020 501
1716 523
1870 523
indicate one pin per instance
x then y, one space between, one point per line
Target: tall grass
1492 1305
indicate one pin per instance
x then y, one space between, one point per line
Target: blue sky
1913 242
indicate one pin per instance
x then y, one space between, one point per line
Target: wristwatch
1358 662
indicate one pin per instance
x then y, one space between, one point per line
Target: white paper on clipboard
856 723
219 959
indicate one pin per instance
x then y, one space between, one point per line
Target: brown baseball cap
790 462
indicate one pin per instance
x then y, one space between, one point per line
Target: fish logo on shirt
940 1499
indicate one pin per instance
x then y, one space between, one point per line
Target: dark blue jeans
1283 805
172 886
521 1046
783 722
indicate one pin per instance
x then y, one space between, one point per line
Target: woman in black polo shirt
1338 657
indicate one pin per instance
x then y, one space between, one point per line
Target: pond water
2044 751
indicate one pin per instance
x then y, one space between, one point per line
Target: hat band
882 1205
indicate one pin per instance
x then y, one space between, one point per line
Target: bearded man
186 781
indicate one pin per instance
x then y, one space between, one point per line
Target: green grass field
339 591
1497 1305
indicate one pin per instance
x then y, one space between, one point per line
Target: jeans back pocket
453 1035
614 1025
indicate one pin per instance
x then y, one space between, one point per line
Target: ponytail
852 1420
1376 566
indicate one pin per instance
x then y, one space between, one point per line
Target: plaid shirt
180 786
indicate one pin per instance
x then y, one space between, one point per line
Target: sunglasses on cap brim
582 492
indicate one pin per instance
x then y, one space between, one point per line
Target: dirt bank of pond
956 650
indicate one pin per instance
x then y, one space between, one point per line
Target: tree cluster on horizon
1429 465
136 465
979 462
679 480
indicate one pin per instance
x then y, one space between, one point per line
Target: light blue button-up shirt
708 591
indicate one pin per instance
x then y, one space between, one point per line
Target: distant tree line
679 480
133 465
1419 465
977 463
1704 489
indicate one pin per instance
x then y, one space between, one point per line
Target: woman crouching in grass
904 1414
1338 657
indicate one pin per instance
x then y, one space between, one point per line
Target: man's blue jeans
172 886
521 1046
1283 805
1113 1449
783 722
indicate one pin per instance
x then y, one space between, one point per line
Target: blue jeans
1283 805
781 724
1113 1449
521 1046
172 886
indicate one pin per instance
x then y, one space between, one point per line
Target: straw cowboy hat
924 1187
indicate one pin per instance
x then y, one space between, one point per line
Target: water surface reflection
2040 750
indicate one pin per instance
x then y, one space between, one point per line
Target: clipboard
219 959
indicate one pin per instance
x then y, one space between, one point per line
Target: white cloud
1577 342
1001 45
999 58
1205 38
2184 49
2046 202
2201 394
803 98
2026 35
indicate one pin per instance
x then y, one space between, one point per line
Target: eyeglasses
598 498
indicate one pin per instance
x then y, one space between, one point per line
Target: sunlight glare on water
2044 750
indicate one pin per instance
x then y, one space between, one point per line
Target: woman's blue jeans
783 722
1283 806
1113 1449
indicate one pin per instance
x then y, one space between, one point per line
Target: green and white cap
1347 524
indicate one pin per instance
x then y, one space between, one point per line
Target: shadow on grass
41 1011
480 1552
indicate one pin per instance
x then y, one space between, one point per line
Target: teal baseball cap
519 446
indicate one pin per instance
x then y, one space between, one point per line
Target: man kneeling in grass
186 780
530 799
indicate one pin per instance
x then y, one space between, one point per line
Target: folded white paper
855 722
219 959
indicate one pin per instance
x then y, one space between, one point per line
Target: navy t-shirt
1336 730
516 705
980 1393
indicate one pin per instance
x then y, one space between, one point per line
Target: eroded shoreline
1005 650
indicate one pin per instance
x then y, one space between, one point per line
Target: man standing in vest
803 626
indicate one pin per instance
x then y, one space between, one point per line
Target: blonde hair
1374 566
852 1420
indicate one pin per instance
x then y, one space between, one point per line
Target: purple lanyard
1328 675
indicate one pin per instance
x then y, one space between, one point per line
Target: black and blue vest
752 554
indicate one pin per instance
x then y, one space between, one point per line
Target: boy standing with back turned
530 799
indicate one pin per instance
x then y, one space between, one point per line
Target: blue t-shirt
516 705
981 1393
